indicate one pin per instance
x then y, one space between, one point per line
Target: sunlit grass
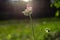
21 30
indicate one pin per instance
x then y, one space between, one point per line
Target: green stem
32 26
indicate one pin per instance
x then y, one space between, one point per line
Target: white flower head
27 11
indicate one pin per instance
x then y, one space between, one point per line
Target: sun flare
26 0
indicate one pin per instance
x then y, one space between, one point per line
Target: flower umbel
28 10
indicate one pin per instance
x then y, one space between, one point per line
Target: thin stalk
32 26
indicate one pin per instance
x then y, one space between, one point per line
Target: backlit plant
28 12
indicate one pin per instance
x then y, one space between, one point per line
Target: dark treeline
41 8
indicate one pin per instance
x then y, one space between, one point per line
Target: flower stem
32 27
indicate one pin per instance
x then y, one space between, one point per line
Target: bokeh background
16 26
12 9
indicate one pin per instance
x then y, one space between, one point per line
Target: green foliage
21 30
56 3
53 36
57 14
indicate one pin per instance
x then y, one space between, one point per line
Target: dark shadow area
41 9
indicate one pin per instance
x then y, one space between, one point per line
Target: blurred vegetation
21 29
57 13
56 3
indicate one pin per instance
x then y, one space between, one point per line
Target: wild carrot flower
28 12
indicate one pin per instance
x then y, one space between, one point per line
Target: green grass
21 29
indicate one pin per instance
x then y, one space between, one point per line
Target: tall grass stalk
32 27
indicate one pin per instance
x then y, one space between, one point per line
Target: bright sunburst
27 0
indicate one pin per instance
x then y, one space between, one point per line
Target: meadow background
21 29
15 26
